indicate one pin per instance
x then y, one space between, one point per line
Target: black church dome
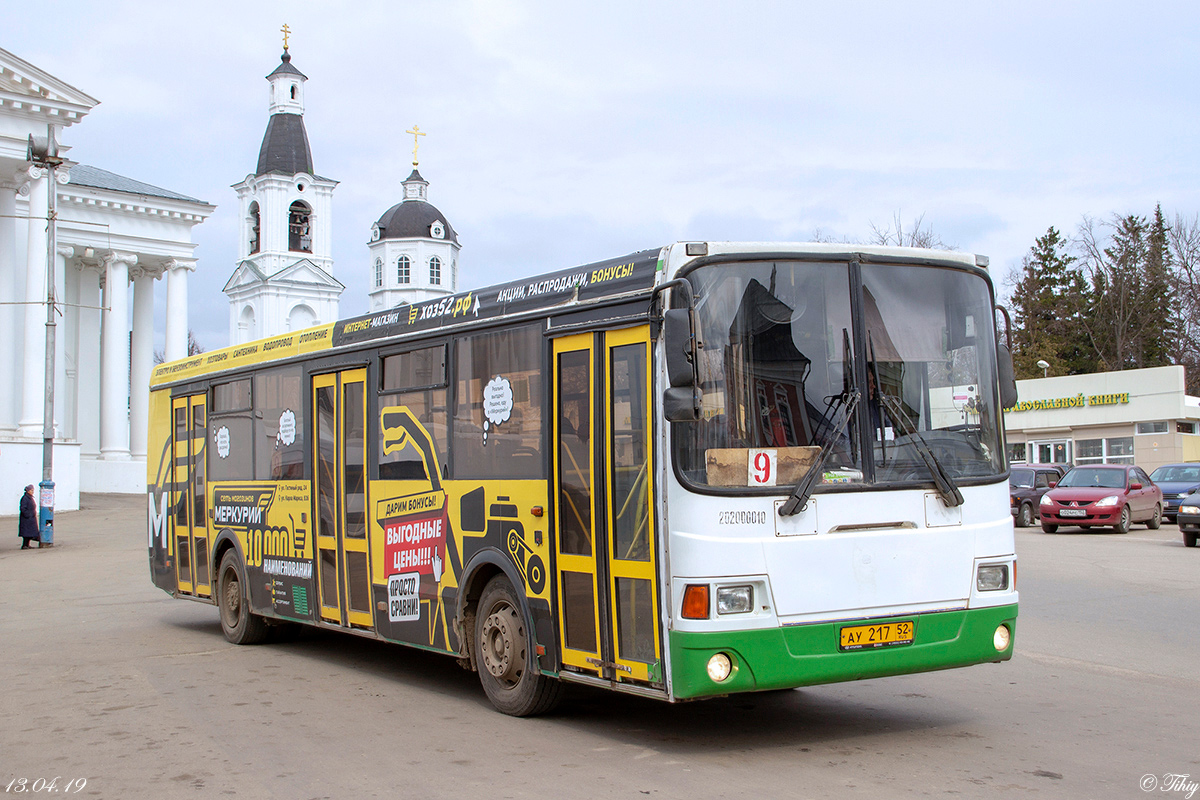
414 219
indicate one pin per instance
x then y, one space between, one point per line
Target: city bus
688 472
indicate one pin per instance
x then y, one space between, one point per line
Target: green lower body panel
806 655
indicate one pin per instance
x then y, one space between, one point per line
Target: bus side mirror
681 404
1008 379
679 346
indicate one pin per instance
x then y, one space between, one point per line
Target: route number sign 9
764 465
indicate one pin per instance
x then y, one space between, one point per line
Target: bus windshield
784 344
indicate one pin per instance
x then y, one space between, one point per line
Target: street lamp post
1045 365
45 154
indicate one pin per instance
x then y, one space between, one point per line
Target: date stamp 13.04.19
55 785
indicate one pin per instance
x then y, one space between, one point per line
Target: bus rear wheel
233 599
504 657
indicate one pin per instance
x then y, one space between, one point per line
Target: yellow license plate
866 637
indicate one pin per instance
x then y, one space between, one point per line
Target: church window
435 270
403 269
378 272
293 91
299 228
255 228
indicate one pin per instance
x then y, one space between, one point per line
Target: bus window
630 453
930 342
775 364
415 381
232 396
498 412
279 434
231 433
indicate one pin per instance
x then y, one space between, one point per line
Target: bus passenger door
339 442
605 537
632 556
575 540
189 498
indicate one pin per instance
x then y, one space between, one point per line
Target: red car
1103 494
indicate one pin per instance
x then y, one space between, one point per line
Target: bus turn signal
695 601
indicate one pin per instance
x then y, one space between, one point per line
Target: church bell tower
284 277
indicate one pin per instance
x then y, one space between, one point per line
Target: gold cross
286 30
416 131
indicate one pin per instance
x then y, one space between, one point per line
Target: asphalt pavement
119 691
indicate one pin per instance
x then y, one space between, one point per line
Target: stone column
114 360
88 360
177 308
33 346
141 361
62 408
8 312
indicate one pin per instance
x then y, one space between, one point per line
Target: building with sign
1140 416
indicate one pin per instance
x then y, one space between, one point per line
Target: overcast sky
561 133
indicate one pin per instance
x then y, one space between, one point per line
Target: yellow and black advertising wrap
271 523
425 531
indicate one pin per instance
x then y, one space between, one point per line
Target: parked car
1189 518
1103 494
1177 481
1026 485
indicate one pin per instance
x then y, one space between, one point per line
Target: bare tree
1126 308
822 236
916 235
1183 240
194 348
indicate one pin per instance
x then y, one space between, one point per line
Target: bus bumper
806 655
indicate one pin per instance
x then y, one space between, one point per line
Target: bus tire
504 657
233 601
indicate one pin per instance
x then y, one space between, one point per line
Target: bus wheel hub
499 644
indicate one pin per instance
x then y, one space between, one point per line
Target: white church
118 242
284 280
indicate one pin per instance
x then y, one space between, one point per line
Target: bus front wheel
504 657
233 599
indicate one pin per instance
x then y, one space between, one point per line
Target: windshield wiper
804 489
946 486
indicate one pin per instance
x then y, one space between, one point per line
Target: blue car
1177 481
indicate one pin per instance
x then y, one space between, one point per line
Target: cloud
560 133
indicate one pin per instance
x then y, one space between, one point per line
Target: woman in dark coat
29 521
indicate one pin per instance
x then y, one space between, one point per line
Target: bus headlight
735 599
1002 638
719 667
992 578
